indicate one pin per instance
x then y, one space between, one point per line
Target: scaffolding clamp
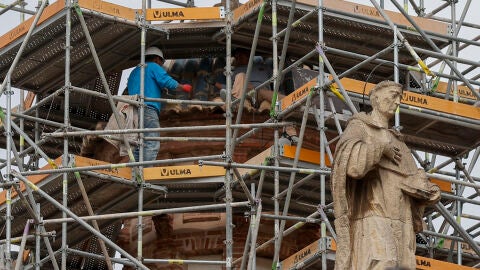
155 188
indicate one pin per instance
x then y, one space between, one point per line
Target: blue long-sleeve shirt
156 78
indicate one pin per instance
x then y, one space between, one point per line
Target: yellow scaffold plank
108 8
197 13
306 253
246 9
58 6
117 170
372 12
35 179
22 28
354 8
256 160
463 91
418 100
313 157
181 172
313 249
298 94
306 155
431 264
301 256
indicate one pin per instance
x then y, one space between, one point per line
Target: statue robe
378 204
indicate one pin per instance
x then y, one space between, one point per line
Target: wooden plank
424 263
306 155
109 8
298 94
463 91
466 248
29 100
256 160
354 8
372 12
246 9
418 100
32 178
301 256
22 28
197 13
116 170
440 105
444 185
181 172
312 156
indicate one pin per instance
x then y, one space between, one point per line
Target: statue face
388 100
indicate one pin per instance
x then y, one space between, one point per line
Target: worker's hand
392 152
187 88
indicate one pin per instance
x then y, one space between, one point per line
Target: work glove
187 88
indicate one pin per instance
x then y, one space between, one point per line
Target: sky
11 19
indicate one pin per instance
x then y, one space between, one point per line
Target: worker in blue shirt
156 79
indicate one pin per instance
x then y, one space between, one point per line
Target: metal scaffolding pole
8 178
66 122
248 72
448 217
88 205
429 41
229 143
24 44
18 9
123 165
106 87
435 11
322 128
283 56
78 220
169 129
292 179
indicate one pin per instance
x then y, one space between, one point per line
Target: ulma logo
421 262
167 14
175 172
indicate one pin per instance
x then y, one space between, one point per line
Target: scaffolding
69 56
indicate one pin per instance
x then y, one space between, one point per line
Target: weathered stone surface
378 192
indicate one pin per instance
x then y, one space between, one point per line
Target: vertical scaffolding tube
248 72
459 190
66 122
38 230
286 206
454 49
276 146
283 56
320 84
19 261
396 76
139 170
228 141
8 199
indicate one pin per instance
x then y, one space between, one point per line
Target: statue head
385 97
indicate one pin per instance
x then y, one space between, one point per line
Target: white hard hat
154 51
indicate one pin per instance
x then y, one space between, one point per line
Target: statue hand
392 152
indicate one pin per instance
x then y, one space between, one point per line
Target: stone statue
379 194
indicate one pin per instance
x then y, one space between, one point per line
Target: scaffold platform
428 123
